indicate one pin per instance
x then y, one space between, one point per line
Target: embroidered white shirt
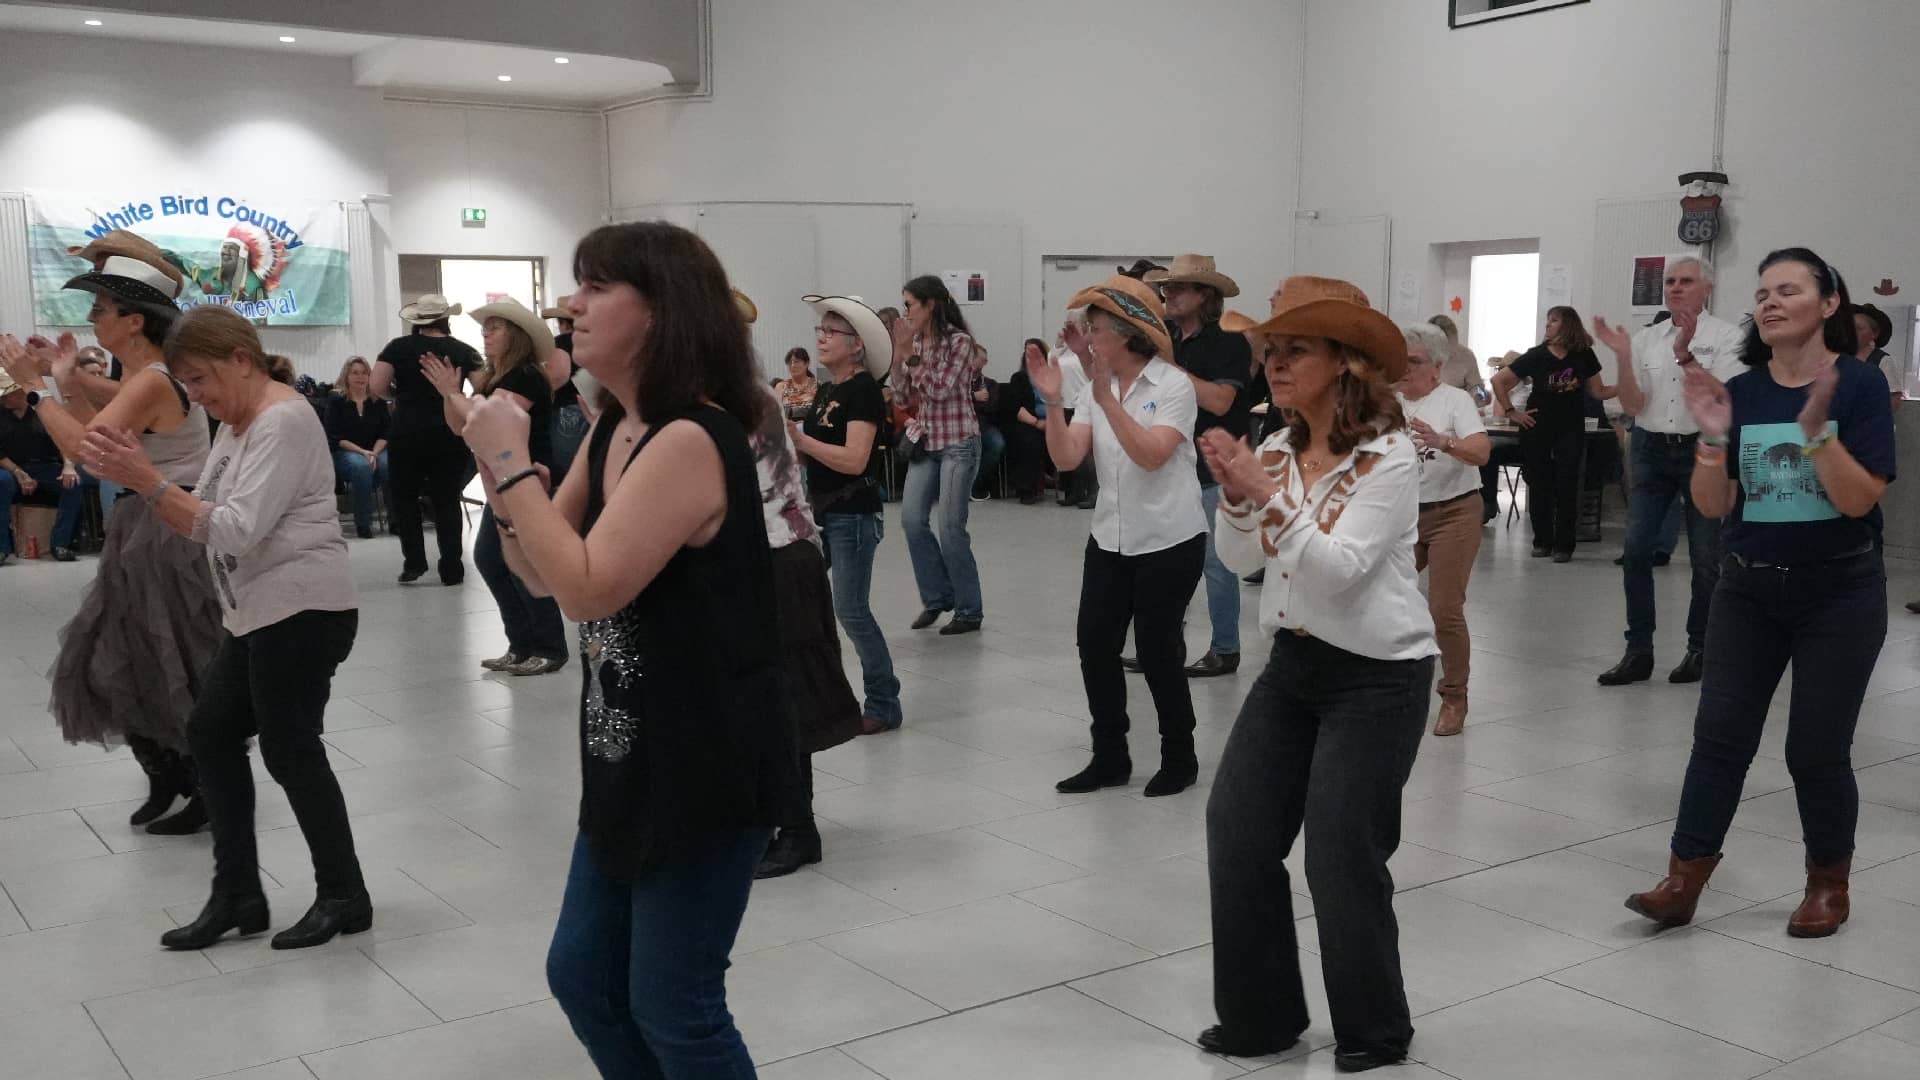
1338 552
1140 512
1716 345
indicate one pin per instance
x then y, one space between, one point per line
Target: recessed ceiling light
561 60
287 39
93 22
504 78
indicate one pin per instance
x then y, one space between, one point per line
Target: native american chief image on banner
279 262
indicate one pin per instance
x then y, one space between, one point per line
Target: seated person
31 467
357 424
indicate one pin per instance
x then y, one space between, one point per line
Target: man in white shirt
1652 390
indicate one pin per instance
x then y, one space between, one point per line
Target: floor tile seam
451 906
1186 1040
1569 817
1707 927
1777 1062
1611 947
391 977
106 1042
1152 953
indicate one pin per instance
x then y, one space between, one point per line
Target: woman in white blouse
1143 560
1453 444
264 509
1329 506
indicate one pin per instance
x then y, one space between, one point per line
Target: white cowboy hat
873 332
430 308
522 316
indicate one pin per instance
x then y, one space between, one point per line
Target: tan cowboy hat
7 385
1337 310
1500 362
1133 301
129 267
522 316
430 308
749 311
558 310
1193 270
873 333
1235 323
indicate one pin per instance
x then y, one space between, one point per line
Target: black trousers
1150 593
274 683
1027 459
1552 471
434 464
1326 739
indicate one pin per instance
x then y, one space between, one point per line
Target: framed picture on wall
1472 12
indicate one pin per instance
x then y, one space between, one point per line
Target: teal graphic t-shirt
1781 513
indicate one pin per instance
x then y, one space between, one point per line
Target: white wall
540 175
1124 125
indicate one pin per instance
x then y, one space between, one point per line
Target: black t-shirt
529 380
1557 401
835 406
1781 514
1215 356
416 404
24 440
360 427
568 394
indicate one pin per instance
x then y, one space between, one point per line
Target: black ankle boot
160 795
1218 1040
1173 778
1095 776
791 850
164 778
190 819
246 913
325 919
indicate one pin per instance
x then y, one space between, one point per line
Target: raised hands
1712 408
1045 375
1613 337
1813 415
444 376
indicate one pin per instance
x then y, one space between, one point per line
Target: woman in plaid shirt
933 370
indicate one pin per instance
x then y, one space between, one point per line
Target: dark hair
1044 350
155 319
698 347
1573 333
441 326
1364 404
1138 271
888 315
1882 324
1138 343
947 319
800 354
1838 333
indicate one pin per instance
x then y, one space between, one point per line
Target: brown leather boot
1453 717
1671 902
1824 907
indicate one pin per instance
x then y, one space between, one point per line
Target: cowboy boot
162 778
1824 907
1671 902
1453 716
192 817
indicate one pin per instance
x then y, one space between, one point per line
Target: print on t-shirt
223 564
1780 482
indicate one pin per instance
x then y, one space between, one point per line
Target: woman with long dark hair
1553 433
933 367
1023 419
1330 507
657 546
427 458
132 657
1796 453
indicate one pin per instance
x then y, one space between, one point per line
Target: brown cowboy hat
558 310
1193 270
1133 301
129 267
749 311
1235 323
1337 310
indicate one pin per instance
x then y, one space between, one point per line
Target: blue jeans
852 540
993 447
110 492
533 623
943 564
640 966
361 478
1669 541
1662 471
66 517
1223 585
1829 621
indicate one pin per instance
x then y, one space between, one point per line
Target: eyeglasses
834 330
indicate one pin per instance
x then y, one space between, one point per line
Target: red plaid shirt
940 388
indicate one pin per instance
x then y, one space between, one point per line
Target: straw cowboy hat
1235 323
130 268
873 333
749 311
7 385
430 308
1133 301
558 310
522 316
1193 270
1339 311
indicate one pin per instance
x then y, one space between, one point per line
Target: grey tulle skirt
132 657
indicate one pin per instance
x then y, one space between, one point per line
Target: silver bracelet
155 494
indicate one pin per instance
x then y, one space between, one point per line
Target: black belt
1670 438
1424 507
1745 563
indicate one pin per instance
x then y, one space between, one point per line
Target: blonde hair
346 369
212 333
519 355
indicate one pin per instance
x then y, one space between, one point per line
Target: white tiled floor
969 922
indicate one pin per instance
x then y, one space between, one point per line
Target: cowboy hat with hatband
1133 302
1338 311
522 316
1193 270
430 308
874 338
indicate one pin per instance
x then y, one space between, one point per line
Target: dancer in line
1326 739
933 355
1795 453
131 659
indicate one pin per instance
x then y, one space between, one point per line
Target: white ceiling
399 66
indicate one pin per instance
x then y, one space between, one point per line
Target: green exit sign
474 217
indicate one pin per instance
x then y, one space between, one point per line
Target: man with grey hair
1652 390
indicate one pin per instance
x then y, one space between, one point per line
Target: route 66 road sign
1699 219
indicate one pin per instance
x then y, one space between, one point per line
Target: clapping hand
1712 408
496 432
21 364
1613 337
1045 375
444 376
1424 437
1236 464
114 454
1813 415
1686 323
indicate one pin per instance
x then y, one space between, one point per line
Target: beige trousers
1449 542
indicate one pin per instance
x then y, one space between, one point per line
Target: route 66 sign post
1700 207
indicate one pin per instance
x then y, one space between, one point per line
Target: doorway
472 282
1506 303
